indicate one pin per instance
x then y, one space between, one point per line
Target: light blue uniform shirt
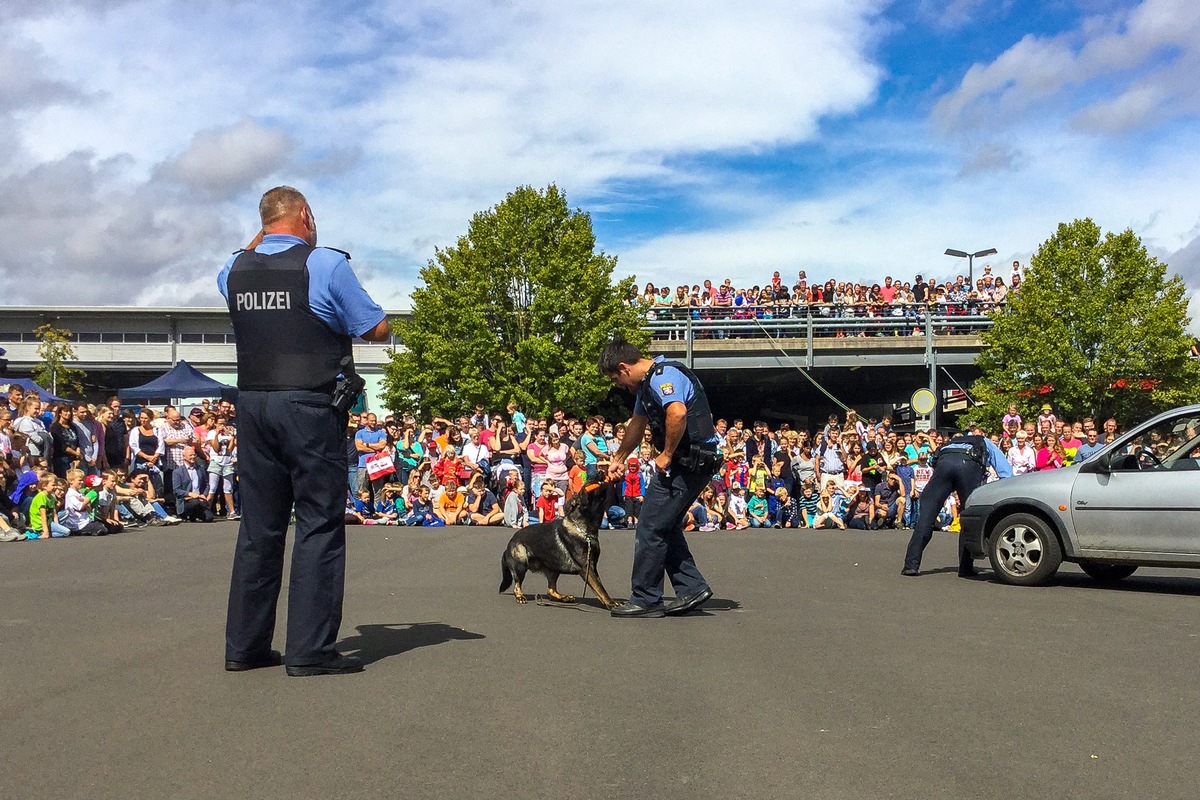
334 293
670 386
995 456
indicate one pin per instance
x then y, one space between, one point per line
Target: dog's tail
506 577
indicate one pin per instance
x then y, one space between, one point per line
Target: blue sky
849 138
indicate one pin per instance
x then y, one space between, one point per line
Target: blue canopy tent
30 386
182 380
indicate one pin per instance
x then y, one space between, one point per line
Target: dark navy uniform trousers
291 449
953 473
659 546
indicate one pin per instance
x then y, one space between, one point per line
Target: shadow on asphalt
377 642
715 605
1144 584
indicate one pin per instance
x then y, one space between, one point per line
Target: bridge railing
816 322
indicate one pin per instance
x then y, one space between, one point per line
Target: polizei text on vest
263 301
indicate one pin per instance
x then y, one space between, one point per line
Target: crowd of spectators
509 468
81 469
776 299
75 469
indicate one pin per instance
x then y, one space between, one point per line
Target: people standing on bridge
291 448
671 402
960 466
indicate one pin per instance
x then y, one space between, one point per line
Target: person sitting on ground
421 513
858 512
43 511
451 506
788 510
107 511
77 512
547 503
482 505
888 499
829 508
735 509
757 506
391 505
189 483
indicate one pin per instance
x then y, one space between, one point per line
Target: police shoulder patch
667 389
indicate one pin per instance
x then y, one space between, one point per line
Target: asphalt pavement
817 671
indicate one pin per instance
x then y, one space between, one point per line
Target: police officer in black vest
295 309
959 466
672 402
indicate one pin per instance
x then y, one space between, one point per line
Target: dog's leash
549 602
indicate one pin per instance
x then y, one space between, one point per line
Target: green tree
1097 329
56 353
518 310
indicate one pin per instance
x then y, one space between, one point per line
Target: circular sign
923 401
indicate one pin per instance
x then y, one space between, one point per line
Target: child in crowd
736 509
735 470
758 475
78 509
757 506
1012 421
829 508
646 465
43 511
577 474
516 513
422 510
391 504
365 510
787 510
547 503
482 504
808 504
633 491
107 510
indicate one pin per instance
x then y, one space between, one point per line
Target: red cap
93 481
632 461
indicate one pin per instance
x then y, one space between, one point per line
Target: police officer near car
295 309
959 466
671 402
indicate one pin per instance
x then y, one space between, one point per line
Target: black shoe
338 665
910 572
272 658
970 572
632 609
689 602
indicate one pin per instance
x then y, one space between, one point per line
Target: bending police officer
671 401
959 466
295 310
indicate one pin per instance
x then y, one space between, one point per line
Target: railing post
691 361
808 335
931 360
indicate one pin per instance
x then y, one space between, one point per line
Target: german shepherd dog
570 545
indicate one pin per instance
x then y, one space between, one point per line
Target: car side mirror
1097 466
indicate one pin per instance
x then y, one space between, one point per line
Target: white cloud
225 162
1149 53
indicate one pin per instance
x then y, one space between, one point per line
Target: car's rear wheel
1108 573
1024 550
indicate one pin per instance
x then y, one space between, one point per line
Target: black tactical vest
699 418
281 343
968 446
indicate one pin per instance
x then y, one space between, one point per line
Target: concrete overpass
770 368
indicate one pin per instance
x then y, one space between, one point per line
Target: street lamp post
970 257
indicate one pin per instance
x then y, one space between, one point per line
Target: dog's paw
522 599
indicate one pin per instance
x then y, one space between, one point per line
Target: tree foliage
1097 329
56 353
518 310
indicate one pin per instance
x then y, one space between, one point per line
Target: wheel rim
1020 550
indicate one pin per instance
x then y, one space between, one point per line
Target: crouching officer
958 466
672 402
295 310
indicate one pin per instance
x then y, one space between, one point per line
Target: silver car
1134 503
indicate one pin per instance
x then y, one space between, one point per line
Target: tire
1024 550
1108 573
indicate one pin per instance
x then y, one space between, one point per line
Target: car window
1173 444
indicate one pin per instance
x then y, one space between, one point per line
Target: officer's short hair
278 203
616 353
